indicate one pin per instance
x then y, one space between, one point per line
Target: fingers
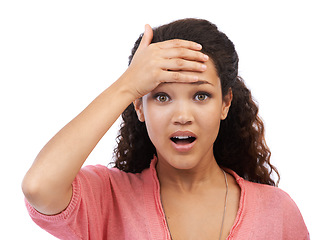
172 77
179 77
182 55
180 43
175 48
186 54
178 57
179 64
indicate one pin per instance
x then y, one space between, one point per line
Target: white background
57 56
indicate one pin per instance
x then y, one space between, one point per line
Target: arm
47 184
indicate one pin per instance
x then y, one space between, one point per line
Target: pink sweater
111 204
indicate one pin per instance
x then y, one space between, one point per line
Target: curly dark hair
240 144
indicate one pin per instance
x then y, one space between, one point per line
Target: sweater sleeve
86 211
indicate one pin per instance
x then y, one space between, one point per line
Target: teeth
182 137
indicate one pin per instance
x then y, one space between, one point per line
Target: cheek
155 121
210 121
212 125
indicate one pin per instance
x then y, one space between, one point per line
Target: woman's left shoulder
272 204
268 193
263 194
272 200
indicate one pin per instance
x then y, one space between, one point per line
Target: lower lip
183 147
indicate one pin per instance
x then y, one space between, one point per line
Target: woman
191 160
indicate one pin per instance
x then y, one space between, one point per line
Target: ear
138 104
227 100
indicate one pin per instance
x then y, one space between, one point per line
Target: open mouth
182 140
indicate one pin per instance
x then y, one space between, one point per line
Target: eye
161 97
201 96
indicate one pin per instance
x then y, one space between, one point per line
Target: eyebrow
200 82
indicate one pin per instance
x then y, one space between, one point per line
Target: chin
183 162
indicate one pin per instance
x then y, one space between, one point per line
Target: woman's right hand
161 62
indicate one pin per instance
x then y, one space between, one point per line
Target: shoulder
101 172
263 195
269 194
114 178
273 205
270 197
93 171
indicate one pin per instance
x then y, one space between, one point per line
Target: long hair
240 144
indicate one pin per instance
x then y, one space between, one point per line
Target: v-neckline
157 197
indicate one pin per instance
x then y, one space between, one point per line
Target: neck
196 179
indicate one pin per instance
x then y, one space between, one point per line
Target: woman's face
183 119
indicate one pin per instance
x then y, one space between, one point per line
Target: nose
183 114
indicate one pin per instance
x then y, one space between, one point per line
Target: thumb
147 37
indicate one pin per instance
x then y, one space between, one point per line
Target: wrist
125 86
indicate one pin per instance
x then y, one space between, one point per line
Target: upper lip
183 134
